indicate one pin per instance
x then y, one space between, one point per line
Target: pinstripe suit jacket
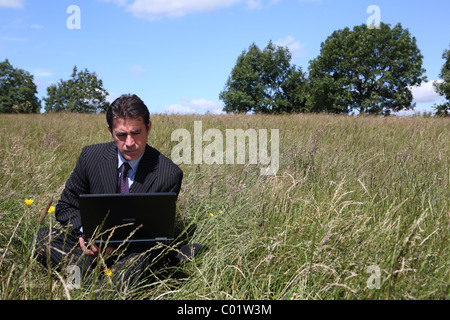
96 173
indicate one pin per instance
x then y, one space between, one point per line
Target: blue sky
177 55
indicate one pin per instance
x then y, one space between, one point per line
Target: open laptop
133 218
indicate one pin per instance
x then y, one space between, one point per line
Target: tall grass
350 193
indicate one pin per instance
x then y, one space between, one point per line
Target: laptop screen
133 217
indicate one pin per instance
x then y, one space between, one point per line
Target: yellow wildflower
211 214
29 202
51 209
108 272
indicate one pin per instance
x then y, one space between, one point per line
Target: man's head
129 123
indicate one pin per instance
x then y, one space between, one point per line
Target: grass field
352 196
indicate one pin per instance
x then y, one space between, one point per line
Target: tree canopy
365 69
368 70
83 93
443 88
17 90
264 81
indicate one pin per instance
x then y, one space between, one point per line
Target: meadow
359 208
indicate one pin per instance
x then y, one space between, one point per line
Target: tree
443 88
263 82
83 93
294 92
17 90
366 69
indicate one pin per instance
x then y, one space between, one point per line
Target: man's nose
129 141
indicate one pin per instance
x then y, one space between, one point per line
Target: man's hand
93 250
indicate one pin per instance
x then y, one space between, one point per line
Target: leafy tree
244 91
294 92
366 69
17 90
83 93
443 88
264 81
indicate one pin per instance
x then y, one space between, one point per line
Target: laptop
131 218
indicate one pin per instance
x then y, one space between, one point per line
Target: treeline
82 93
365 70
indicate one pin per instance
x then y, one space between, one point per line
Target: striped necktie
123 179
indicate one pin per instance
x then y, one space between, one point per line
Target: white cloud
426 92
39 73
258 4
37 26
120 3
13 39
137 70
194 106
296 48
16 4
174 8
155 9
416 111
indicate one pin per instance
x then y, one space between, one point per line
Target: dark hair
127 106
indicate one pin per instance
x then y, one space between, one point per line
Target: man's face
130 136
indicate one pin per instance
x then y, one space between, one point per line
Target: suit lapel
146 172
108 169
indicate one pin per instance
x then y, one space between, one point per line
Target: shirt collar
133 163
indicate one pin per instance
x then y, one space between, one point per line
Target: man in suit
98 170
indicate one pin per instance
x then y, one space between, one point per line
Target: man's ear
110 132
149 126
